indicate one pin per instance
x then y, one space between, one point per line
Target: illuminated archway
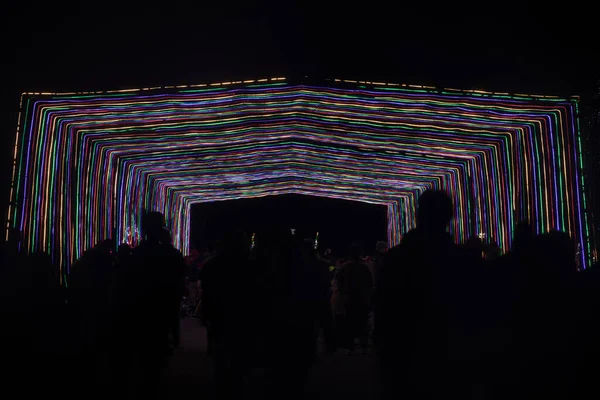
87 164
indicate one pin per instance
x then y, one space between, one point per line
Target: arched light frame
88 164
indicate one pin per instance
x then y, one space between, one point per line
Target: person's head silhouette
165 236
555 254
124 250
435 211
355 251
522 237
381 247
474 247
152 225
107 246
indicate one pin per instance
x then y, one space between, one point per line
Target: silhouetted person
14 280
328 254
503 288
381 249
41 325
123 254
522 238
288 340
424 287
149 305
492 251
474 249
312 283
545 331
192 293
354 287
12 309
89 299
227 310
587 348
33 334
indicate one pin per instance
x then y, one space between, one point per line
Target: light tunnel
88 164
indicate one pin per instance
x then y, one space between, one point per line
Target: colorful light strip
87 164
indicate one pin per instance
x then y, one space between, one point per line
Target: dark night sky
510 46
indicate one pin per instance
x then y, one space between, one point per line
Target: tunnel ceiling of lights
88 164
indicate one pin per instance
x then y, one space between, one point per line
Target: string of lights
88 164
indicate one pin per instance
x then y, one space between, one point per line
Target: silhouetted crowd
107 330
443 320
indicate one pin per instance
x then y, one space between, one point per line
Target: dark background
339 222
515 46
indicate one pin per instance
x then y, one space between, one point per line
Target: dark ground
335 376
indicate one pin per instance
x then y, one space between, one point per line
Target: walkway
191 372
